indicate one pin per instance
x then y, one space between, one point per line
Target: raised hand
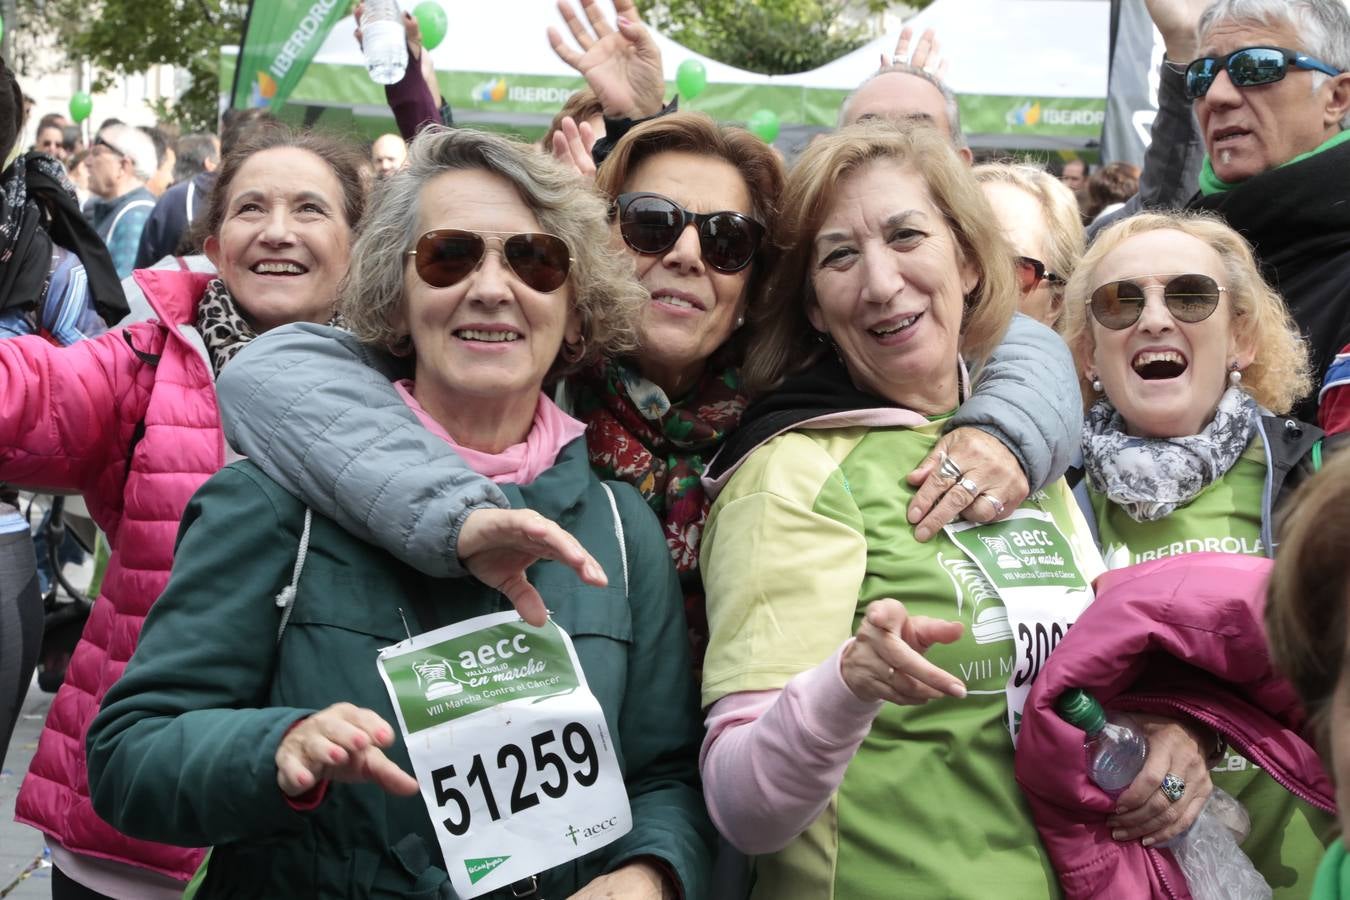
572 144
1177 21
620 62
927 52
498 545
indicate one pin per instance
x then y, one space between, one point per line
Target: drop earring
1096 384
1234 375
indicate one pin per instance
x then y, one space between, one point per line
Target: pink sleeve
771 760
63 410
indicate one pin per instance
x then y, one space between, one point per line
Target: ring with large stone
1173 787
949 469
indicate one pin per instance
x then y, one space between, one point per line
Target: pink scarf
520 463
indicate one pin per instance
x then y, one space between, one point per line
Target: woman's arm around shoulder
183 749
659 727
66 413
1026 395
318 412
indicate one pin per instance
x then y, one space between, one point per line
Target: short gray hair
136 146
948 97
605 290
1323 28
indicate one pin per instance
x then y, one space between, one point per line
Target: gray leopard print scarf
223 327
1151 477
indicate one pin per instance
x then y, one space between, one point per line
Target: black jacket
1297 218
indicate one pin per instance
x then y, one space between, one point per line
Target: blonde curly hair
1065 238
604 290
1279 372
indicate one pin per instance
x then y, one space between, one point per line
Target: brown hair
340 155
1309 588
1113 183
581 106
697 133
1279 372
785 341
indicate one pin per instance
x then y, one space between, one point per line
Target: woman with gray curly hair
266 730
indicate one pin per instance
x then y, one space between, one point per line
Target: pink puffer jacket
1180 635
128 419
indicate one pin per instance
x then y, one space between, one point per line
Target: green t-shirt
1288 836
1223 518
928 806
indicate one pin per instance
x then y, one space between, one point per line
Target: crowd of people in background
803 453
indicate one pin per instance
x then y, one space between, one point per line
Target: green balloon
81 105
431 17
764 125
691 78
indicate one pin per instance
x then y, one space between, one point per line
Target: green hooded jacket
183 749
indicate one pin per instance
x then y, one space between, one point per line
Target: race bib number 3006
1030 563
510 748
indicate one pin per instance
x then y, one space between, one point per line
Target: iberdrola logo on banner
280 39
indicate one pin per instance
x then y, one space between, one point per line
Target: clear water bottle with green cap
1116 750
1208 853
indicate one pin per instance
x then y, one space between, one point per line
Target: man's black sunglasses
1249 67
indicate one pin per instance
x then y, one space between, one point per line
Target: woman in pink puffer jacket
1182 635
130 420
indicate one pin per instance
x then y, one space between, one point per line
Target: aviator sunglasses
1031 272
651 223
1249 67
447 256
1189 298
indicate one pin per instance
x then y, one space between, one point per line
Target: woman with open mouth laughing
1189 362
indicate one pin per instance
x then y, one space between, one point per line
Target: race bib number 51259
510 748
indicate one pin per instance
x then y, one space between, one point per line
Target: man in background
120 162
389 154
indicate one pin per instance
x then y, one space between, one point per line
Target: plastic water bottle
383 38
1208 853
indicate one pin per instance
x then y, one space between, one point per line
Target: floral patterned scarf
636 434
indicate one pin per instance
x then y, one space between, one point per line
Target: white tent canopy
1028 72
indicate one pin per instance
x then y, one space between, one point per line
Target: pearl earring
1235 375
740 320
1096 384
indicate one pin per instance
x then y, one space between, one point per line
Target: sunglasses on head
651 223
100 142
1189 298
447 256
1249 67
1031 272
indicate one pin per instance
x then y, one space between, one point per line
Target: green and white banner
280 38
511 751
